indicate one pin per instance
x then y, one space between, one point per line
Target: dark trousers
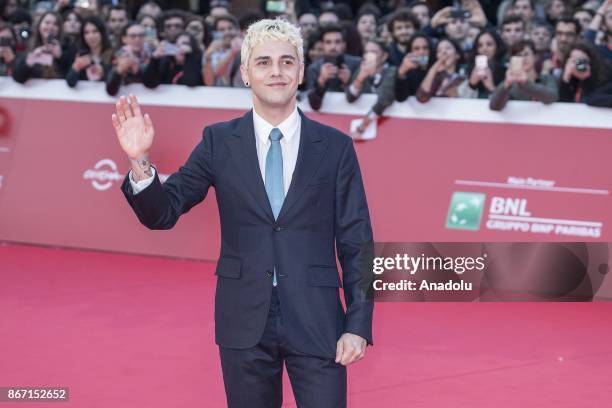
253 377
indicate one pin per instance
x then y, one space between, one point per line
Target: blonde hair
271 30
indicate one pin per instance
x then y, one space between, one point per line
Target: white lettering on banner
507 225
509 206
105 173
529 181
510 214
4 149
1 178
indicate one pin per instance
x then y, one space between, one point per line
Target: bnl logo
465 210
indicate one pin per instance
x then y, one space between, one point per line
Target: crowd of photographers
501 50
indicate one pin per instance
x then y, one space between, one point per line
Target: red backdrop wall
55 151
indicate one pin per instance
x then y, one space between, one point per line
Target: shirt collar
288 127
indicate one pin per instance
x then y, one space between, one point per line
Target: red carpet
130 331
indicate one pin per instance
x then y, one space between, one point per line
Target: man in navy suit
290 196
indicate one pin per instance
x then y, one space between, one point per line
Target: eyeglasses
139 35
176 25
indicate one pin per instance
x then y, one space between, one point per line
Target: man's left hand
350 348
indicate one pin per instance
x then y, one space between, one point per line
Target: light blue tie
274 177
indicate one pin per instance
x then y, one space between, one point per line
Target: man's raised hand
134 131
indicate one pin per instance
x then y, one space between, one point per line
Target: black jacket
325 211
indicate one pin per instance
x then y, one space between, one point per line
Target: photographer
221 52
454 22
602 22
172 23
21 21
149 24
486 68
414 66
130 60
443 78
583 73
8 40
94 58
46 57
333 71
179 63
373 76
197 27
567 30
522 82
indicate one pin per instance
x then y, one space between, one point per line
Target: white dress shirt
290 143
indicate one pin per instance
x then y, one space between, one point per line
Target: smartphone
217 35
276 7
516 64
369 58
125 51
337 60
482 62
422 61
460 14
170 49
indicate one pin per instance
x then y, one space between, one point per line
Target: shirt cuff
137 187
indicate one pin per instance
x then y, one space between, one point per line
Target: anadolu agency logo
465 211
103 174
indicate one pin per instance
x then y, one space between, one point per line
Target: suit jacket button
277 228
269 273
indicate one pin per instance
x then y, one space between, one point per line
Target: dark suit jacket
325 205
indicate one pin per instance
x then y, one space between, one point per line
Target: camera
25 33
460 13
422 61
171 49
582 65
337 60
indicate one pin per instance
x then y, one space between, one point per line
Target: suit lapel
310 153
244 153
